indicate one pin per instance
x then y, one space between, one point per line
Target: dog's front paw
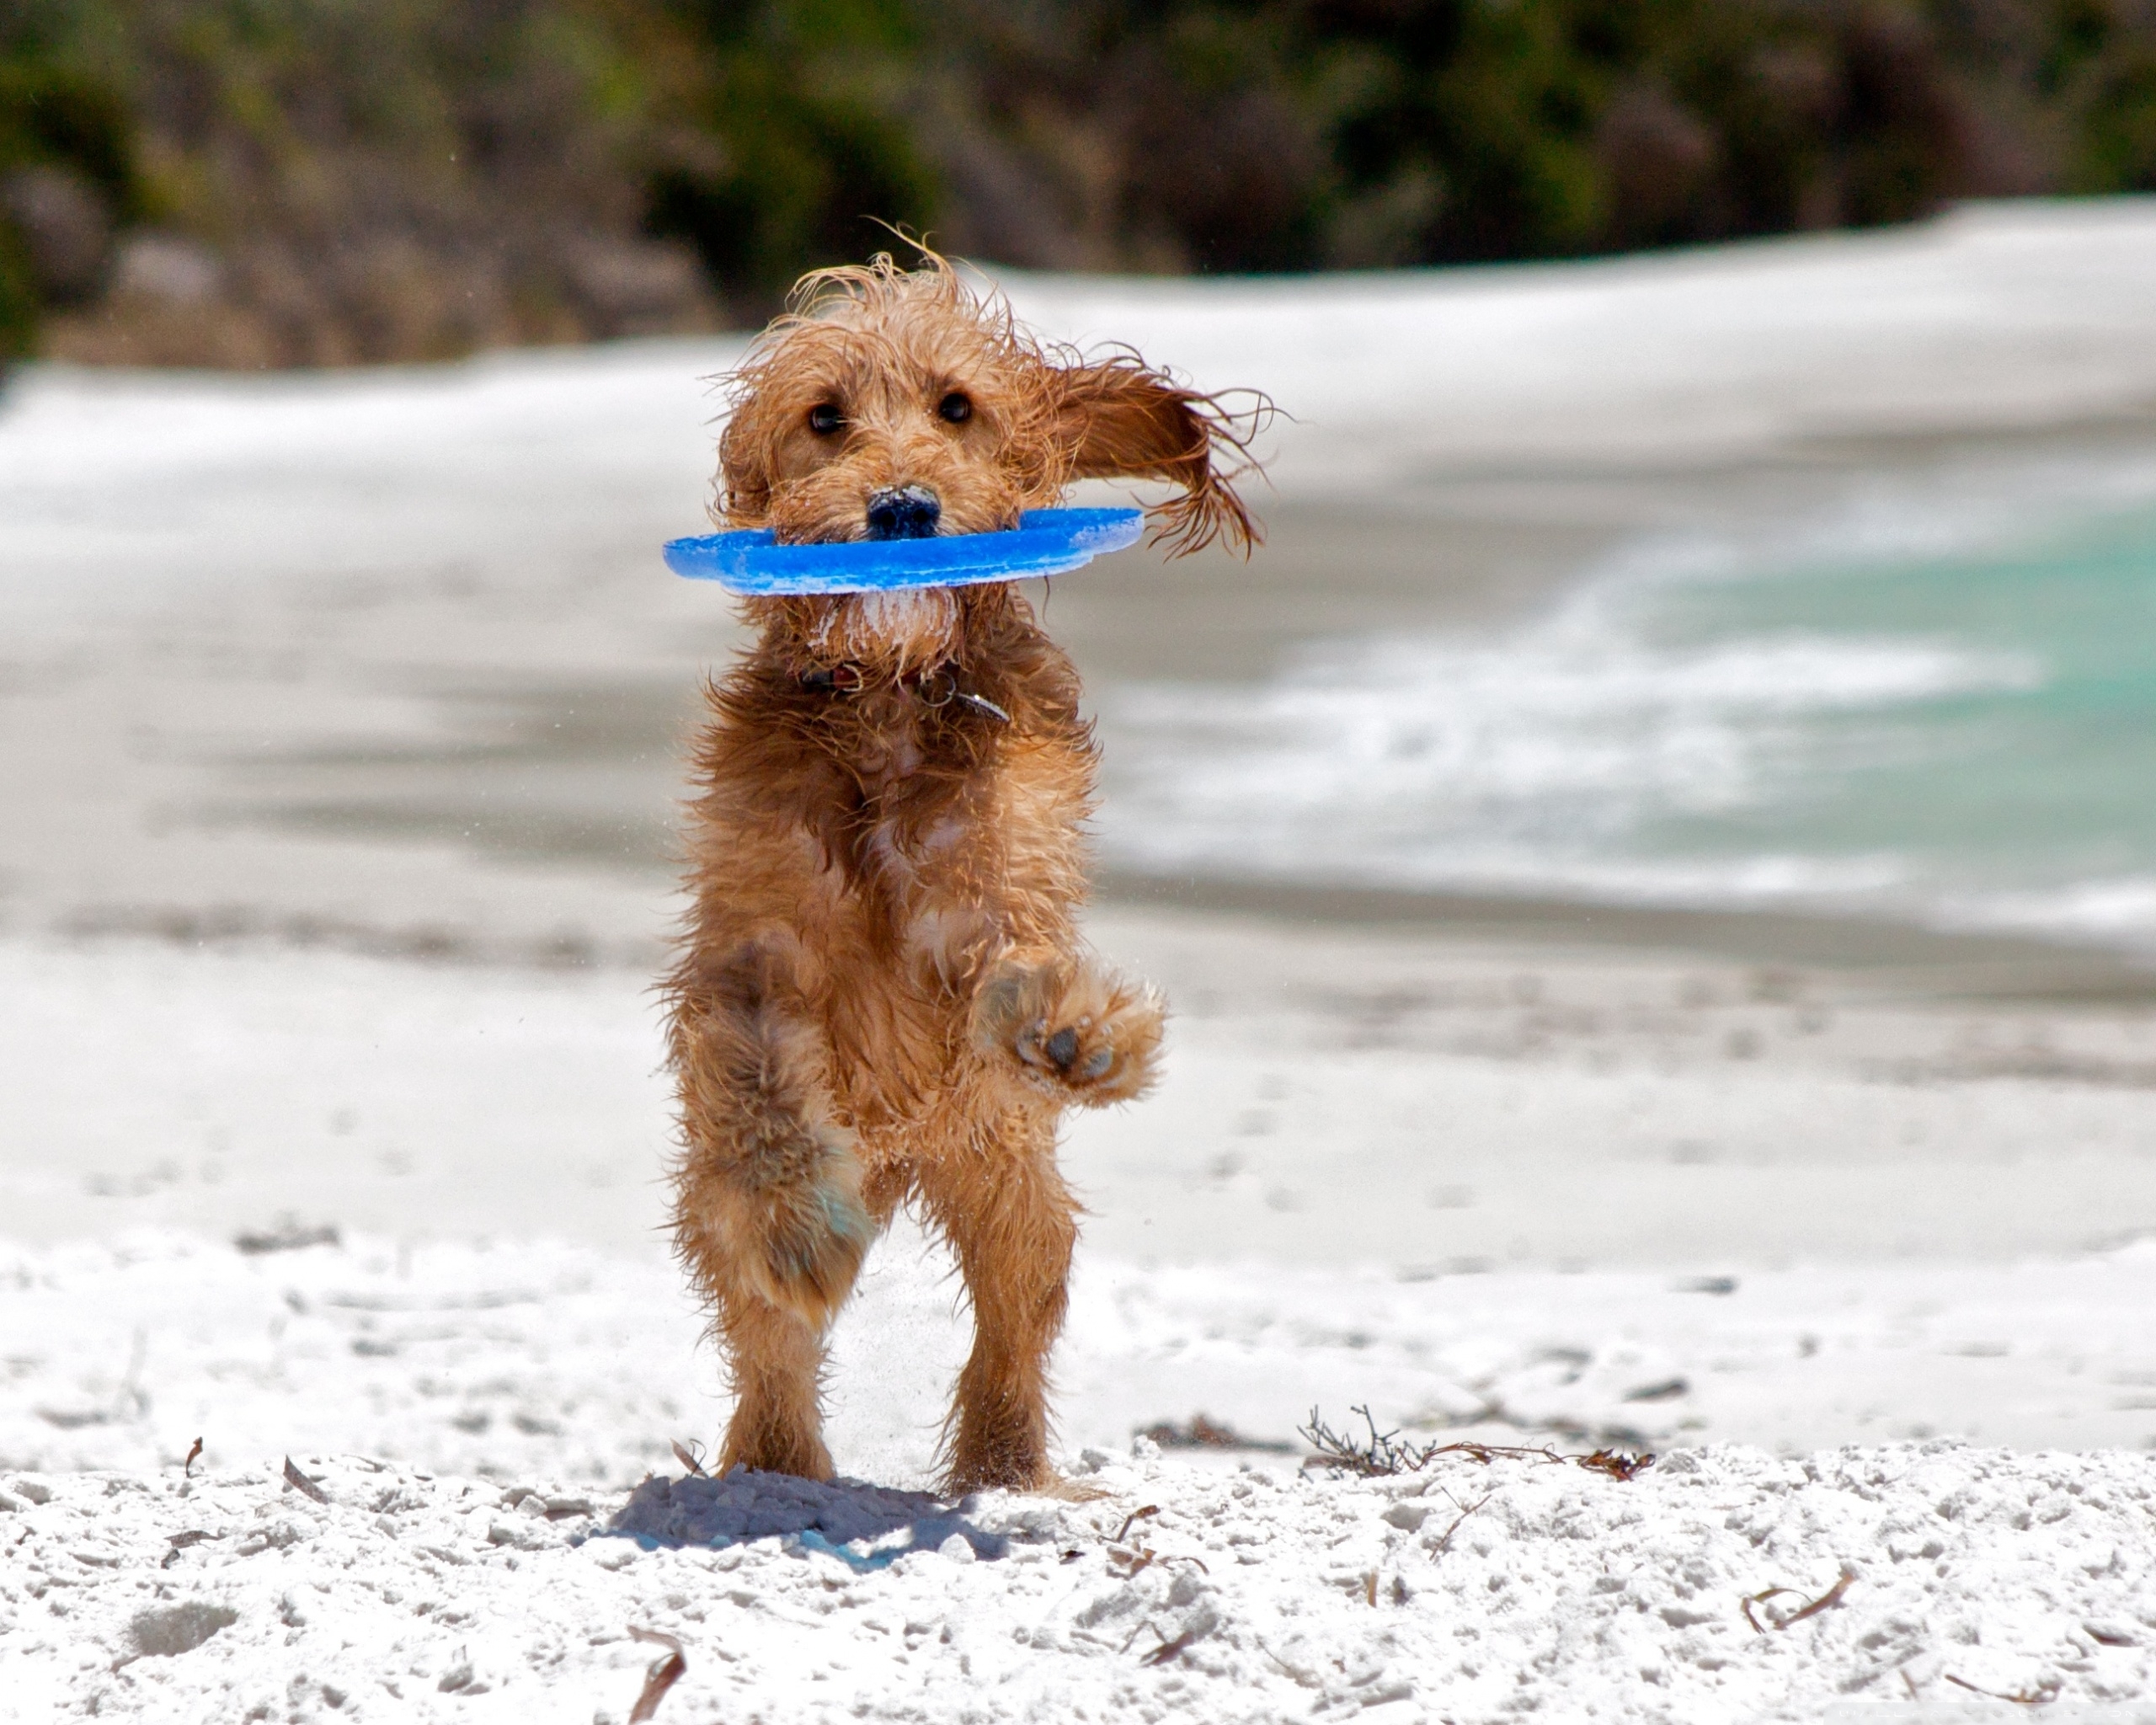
1080 1033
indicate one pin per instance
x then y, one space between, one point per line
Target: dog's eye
825 418
956 408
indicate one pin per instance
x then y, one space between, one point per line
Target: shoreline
1894 957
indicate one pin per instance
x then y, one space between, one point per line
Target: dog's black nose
903 512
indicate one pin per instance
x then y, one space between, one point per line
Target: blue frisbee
1046 542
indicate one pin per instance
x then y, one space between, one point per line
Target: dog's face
896 416
898 404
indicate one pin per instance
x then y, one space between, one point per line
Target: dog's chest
931 884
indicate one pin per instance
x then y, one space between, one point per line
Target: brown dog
881 998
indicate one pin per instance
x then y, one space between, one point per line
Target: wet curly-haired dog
881 998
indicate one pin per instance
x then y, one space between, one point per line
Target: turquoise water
1960 736
2035 784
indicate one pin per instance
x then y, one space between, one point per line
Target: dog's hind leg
1013 1222
769 1214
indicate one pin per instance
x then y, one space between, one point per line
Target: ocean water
1933 699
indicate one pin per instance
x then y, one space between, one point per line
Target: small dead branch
2042 1696
1444 1544
1308 1679
300 1484
1134 1516
193 1455
181 1541
691 1455
1128 1560
1615 1463
662 1676
1382 1454
1370 1588
1373 1456
1167 1650
1826 1601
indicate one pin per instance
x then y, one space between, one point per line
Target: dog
881 998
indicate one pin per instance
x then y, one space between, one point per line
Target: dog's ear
743 496
1120 419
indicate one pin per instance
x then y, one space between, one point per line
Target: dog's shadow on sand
864 1526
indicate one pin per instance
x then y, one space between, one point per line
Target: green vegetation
340 180
802 113
67 173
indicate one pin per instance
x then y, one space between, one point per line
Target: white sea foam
1614 748
1539 759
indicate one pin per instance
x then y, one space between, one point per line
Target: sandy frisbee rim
1046 542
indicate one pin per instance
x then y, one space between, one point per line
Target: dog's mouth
903 512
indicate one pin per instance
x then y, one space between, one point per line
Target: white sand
505 1359
557 1376
1330 1098
1468 1593
1998 318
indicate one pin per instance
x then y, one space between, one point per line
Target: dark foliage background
264 182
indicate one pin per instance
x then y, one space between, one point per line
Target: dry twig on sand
1812 1608
1444 1543
1384 1454
193 1455
1616 1463
300 1484
1168 1649
662 1676
1135 1515
2042 1695
181 1542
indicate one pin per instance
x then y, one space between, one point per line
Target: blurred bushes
329 182
66 176
326 181
797 132
1290 134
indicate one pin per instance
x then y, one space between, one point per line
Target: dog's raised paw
1081 1034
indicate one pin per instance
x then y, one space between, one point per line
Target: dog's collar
935 688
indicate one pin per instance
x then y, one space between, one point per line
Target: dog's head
892 404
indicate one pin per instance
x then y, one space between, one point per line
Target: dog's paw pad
1078 1034
1068 1052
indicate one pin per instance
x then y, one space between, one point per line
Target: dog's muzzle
903 512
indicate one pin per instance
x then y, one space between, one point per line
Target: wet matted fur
881 998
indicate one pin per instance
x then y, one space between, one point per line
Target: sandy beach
339 729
